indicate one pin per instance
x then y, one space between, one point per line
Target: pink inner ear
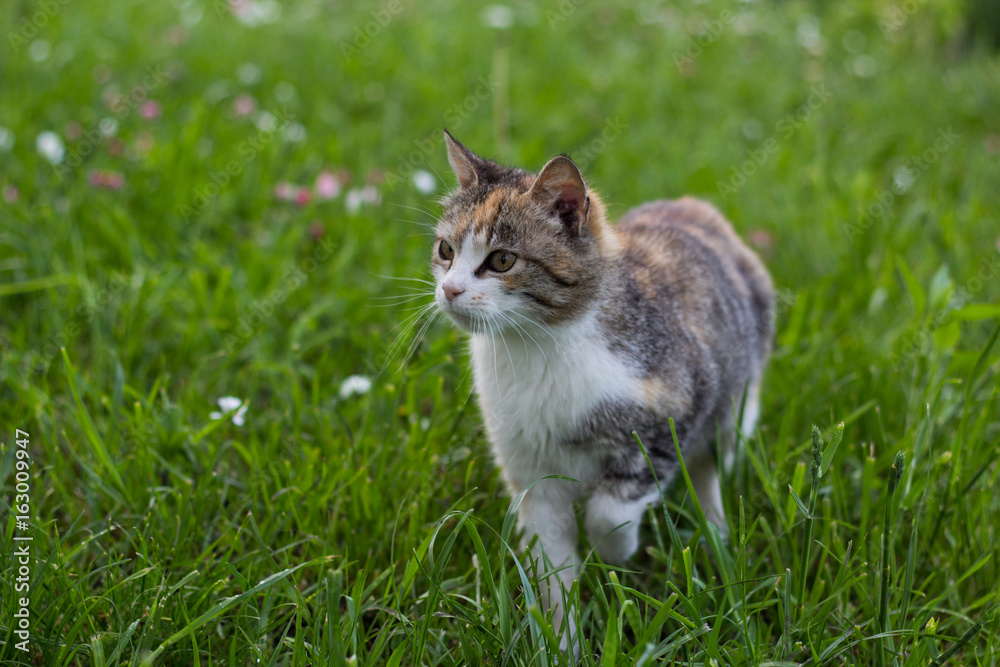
567 202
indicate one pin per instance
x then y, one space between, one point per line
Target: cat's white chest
536 392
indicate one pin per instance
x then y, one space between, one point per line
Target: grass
372 528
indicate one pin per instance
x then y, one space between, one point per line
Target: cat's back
683 256
687 249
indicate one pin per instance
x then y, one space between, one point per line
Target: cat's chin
462 320
465 320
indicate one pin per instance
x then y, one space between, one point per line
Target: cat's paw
619 546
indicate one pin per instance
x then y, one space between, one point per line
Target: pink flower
101 178
302 197
10 194
285 191
244 105
760 238
151 110
327 186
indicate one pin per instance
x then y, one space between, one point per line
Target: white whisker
408 325
513 366
496 371
522 332
426 281
539 327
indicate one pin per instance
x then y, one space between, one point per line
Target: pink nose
451 292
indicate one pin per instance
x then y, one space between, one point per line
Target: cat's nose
451 292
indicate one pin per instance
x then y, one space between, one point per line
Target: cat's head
514 248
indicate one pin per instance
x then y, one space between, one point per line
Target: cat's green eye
502 260
446 251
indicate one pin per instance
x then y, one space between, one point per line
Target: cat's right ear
462 161
560 190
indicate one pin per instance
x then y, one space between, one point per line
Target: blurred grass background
205 199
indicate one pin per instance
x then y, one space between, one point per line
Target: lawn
203 200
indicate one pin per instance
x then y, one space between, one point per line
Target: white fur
535 387
536 390
705 480
751 409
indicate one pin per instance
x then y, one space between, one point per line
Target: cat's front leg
547 512
613 524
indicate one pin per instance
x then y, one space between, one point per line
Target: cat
583 332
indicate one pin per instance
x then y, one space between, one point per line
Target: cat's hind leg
751 409
705 479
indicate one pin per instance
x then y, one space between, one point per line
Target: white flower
6 139
354 385
357 197
108 126
256 12
294 132
265 121
248 74
424 182
39 50
51 147
228 404
284 91
498 16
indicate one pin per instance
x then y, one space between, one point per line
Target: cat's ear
560 190
462 161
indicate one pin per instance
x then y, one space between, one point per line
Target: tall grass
339 525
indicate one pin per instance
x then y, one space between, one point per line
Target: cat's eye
446 251
502 260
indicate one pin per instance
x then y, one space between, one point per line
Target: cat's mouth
460 316
469 318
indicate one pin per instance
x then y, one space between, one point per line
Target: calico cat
583 332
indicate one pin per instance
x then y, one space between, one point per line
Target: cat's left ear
462 161
560 190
